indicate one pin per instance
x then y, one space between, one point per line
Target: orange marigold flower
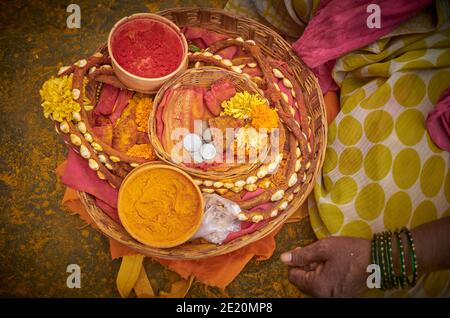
264 117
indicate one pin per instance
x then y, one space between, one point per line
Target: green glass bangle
374 261
377 256
402 267
390 265
412 255
382 257
383 261
391 260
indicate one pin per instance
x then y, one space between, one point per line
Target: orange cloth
332 106
220 270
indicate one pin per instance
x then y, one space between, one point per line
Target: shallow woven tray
202 77
272 45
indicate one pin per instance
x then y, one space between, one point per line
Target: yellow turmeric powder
145 151
143 106
160 206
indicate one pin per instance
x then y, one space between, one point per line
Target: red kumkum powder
147 48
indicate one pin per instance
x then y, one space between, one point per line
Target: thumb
300 257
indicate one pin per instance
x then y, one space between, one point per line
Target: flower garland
57 97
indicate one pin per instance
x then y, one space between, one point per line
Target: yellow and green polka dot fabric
381 169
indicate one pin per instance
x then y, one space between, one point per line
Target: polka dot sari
382 170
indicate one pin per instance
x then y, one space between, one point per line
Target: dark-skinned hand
330 267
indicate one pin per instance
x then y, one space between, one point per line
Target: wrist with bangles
383 257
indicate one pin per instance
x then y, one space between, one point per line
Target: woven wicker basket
202 77
274 46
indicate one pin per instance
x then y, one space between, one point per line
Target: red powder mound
147 48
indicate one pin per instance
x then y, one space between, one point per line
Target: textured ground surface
38 239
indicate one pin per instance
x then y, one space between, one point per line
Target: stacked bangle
412 256
401 253
379 258
393 281
384 267
382 256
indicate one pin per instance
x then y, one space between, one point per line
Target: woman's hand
331 267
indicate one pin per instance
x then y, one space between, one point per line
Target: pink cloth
112 102
323 73
246 228
204 38
250 195
107 100
80 177
120 104
112 212
438 122
340 26
262 207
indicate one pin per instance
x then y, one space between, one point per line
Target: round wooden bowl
143 84
201 77
273 46
145 168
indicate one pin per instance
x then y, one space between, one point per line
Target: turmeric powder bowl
160 205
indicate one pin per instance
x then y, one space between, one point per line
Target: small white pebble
192 142
197 157
207 136
208 151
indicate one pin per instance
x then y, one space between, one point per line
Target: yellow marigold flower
264 117
239 105
142 151
56 94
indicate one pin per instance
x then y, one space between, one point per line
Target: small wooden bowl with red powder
147 50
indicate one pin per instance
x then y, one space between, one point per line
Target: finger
310 267
301 257
303 280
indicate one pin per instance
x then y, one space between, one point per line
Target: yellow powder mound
142 151
143 107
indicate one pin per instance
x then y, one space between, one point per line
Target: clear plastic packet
219 219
